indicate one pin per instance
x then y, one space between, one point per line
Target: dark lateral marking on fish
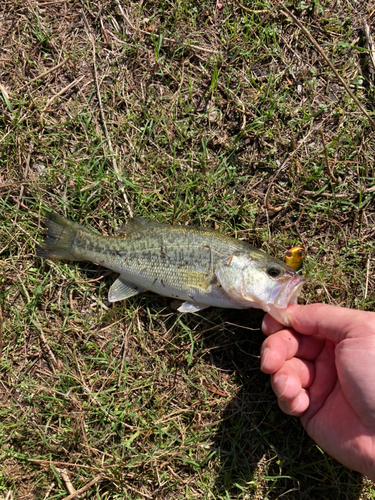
192 256
162 282
99 249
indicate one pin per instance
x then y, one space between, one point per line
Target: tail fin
60 238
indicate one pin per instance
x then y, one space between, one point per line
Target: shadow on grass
263 452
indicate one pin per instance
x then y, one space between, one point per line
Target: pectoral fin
189 307
123 289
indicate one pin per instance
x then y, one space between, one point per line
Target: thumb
331 322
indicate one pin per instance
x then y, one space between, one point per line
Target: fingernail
263 356
282 384
266 320
298 400
263 325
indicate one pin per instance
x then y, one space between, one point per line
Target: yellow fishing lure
294 257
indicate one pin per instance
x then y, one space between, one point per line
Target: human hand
323 370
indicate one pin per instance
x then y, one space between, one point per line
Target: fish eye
274 270
300 253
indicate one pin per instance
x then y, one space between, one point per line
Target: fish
294 257
200 266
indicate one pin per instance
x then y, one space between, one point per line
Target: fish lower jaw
289 294
278 314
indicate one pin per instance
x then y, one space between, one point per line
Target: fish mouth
289 294
296 289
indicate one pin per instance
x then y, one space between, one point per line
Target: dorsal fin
139 222
142 221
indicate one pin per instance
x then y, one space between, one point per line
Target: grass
207 116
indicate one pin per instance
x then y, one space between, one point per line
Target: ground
219 114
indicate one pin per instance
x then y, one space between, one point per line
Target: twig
125 349
69 486
44 340
267 203
46 463
45 73
243 111
1 331
62 91
291 16
84 488
251 11
338 195
113 159
4 136
328 195
370 44
330 173
371 14
54 1
330 299
48 491
367 275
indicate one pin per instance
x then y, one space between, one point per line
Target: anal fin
123 289
189 307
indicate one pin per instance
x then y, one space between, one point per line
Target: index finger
332 322
287 344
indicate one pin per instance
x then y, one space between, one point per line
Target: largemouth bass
200 266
